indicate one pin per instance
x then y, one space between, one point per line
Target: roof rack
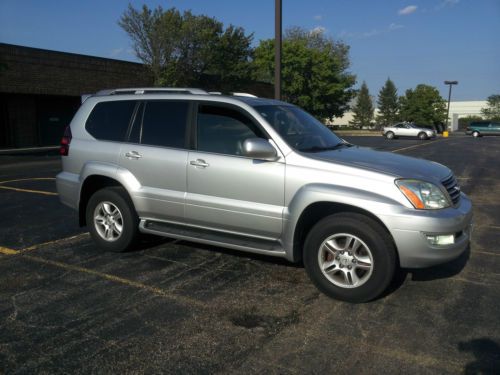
244 94
153 90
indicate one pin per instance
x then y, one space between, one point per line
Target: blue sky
415 41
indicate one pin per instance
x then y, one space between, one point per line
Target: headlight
423 195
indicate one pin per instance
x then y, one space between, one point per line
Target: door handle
133 155
199 163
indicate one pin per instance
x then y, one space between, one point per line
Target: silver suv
407 129
261 176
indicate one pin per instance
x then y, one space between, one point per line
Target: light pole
277 50
450 83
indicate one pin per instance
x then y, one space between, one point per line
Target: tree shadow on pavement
486 353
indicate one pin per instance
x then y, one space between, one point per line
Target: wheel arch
90 185
316 211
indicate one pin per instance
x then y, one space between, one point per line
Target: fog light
442 239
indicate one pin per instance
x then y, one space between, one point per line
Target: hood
385 162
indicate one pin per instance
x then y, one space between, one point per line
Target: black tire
130 221
476 134
389 135
422 136
371 233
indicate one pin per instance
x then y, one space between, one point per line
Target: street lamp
450 83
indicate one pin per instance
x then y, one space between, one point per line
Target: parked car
480 128
406 129
261 176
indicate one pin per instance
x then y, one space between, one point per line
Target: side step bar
209 237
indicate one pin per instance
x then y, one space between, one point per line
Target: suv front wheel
350 257
112 220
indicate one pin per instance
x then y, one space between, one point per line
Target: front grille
451 186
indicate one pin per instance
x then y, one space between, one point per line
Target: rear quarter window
109 121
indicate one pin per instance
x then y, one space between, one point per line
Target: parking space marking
53 242
419 145
117 279
43 192
7 251
88 271
28 190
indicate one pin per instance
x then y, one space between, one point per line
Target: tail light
65 141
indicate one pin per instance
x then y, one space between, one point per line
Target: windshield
299 129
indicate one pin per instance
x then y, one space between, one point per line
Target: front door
227 191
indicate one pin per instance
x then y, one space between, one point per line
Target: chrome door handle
199 163
133 155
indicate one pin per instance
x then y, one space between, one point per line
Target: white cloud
318 17
115 52
447 4
407 10
369 34
395 26
318 30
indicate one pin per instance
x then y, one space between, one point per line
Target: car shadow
442 271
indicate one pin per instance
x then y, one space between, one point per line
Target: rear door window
109 121
164 124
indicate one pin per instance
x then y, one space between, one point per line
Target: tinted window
135 131
164 124
223 130
110 120
479 124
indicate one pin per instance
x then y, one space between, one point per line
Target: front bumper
410 231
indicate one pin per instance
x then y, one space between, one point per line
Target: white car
405 129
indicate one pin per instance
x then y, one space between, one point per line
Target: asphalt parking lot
178 307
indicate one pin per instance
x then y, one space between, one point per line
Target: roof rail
244 94
153 90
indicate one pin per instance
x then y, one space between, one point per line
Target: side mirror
258 148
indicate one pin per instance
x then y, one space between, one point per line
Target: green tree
363 109
423 106
388 104
492 112
181 49
314 71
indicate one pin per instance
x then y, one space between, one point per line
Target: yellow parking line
7 251
43 192
34 247
419 145
117 279
28 190
28 179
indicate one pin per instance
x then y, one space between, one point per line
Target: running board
205 236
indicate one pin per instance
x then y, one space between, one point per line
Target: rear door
156 156
227 191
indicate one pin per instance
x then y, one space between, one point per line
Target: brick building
40 90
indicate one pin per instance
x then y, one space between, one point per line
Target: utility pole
450 83
277 49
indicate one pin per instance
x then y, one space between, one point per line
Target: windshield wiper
325 148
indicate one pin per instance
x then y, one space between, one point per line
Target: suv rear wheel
112 220
350 257
476 134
